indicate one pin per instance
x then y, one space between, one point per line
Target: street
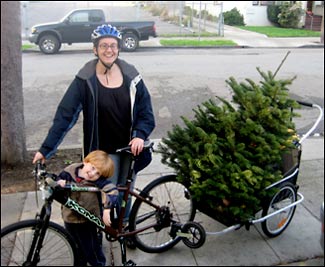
178 80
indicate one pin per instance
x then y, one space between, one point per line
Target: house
255 12
314 15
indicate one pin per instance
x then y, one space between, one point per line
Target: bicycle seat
147 145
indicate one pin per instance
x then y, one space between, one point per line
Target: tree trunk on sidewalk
322 31
13 141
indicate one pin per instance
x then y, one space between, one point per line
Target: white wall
253 15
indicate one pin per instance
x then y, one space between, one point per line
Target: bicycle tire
277 223
164 191
58 248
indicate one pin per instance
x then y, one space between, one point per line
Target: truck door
77 28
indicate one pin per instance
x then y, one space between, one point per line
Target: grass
182 42
26 46
272 31
194 34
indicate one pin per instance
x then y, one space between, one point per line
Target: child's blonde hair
102 161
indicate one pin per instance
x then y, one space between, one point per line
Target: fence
195 16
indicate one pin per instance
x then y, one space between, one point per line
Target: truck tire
49 44
130 42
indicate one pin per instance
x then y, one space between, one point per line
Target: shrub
290 15
273 12
233 17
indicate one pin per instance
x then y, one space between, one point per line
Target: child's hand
61 183
107 217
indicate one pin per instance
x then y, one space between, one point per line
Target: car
78 25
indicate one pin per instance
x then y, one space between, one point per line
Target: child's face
90 172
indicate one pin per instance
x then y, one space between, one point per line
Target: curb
144 48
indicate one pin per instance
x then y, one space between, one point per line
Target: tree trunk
322 31
13 141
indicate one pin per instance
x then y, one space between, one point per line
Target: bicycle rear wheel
277 223
58 247
164 192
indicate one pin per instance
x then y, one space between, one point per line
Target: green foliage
290 15
233 17
188 42
229 153
273 12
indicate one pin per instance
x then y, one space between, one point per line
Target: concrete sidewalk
243 38
298 244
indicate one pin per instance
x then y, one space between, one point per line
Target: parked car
77 26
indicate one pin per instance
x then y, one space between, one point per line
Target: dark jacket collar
89 69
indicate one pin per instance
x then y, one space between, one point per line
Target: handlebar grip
305 104
147 145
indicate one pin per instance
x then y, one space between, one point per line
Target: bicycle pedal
130 243
129 263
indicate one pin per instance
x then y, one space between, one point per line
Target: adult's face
107 50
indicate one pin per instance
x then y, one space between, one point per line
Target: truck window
96 16
79 17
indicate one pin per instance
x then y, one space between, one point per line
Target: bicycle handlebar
147 145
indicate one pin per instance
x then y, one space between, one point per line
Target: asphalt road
178 80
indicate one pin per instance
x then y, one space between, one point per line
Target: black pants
85 234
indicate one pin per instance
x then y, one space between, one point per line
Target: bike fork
33 256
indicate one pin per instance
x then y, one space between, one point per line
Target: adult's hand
39 156
136 145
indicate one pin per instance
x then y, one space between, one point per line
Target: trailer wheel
277 223
193 235
130 42
49 44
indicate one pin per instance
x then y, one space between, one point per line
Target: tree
13 140
233 17
227 155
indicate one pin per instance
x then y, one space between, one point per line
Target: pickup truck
77 26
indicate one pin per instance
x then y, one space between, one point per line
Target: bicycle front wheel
164 192
58 247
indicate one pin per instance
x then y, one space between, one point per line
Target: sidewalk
298 244
243 38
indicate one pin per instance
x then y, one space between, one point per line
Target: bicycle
161 215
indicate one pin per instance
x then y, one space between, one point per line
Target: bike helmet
106 30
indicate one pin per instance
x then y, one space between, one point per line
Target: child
94 171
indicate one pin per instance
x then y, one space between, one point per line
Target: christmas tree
229 153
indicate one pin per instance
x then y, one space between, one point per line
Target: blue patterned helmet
105 30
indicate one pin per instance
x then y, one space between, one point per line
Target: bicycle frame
74 205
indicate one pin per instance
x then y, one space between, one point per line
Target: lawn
183 42
27 46
271 31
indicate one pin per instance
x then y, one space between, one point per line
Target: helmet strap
108 67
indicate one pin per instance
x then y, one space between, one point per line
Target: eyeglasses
106 46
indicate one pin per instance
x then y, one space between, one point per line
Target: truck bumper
33 38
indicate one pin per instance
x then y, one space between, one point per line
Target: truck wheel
130 42
49 44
